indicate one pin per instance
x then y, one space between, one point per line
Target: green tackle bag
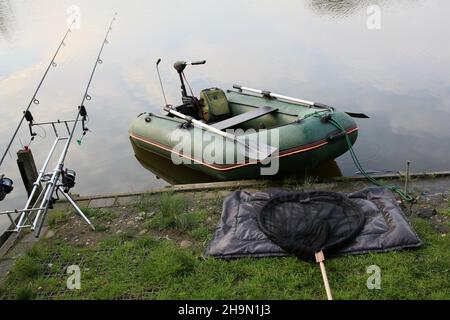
214 105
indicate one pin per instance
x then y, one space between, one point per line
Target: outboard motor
191 105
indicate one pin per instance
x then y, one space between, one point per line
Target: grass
170 213
431 176
55 218
190 221
445 212
200 233
309 182
217 200
28 268
25 293
129 266
173 212
146 203
306 183
100 215
122 267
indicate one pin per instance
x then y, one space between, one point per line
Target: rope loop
357 163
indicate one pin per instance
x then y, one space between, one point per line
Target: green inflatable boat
243 133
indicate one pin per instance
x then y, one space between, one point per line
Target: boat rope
34 100
357 163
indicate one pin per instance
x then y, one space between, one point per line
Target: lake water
316 50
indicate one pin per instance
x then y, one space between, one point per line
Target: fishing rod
59 169
26 114
59 179
86 96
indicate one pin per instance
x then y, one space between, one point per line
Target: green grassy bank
153 249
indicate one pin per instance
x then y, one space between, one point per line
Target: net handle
320 258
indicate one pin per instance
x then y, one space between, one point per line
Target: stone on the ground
186 244
142 214
142 232
126 201
102 203
49 234
427 213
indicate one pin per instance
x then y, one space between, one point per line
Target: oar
296 100
261 153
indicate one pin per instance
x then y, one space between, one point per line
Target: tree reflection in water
343 8
6 16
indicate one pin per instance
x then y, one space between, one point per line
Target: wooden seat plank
243 117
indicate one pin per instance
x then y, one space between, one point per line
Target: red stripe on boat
226 167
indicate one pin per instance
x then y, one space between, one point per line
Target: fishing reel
68 179
6 186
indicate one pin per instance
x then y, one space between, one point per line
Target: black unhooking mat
385 227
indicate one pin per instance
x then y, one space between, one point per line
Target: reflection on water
178 174
5 17
165 169
340 8
399 75
344 8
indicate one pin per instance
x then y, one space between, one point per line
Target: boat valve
335 137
